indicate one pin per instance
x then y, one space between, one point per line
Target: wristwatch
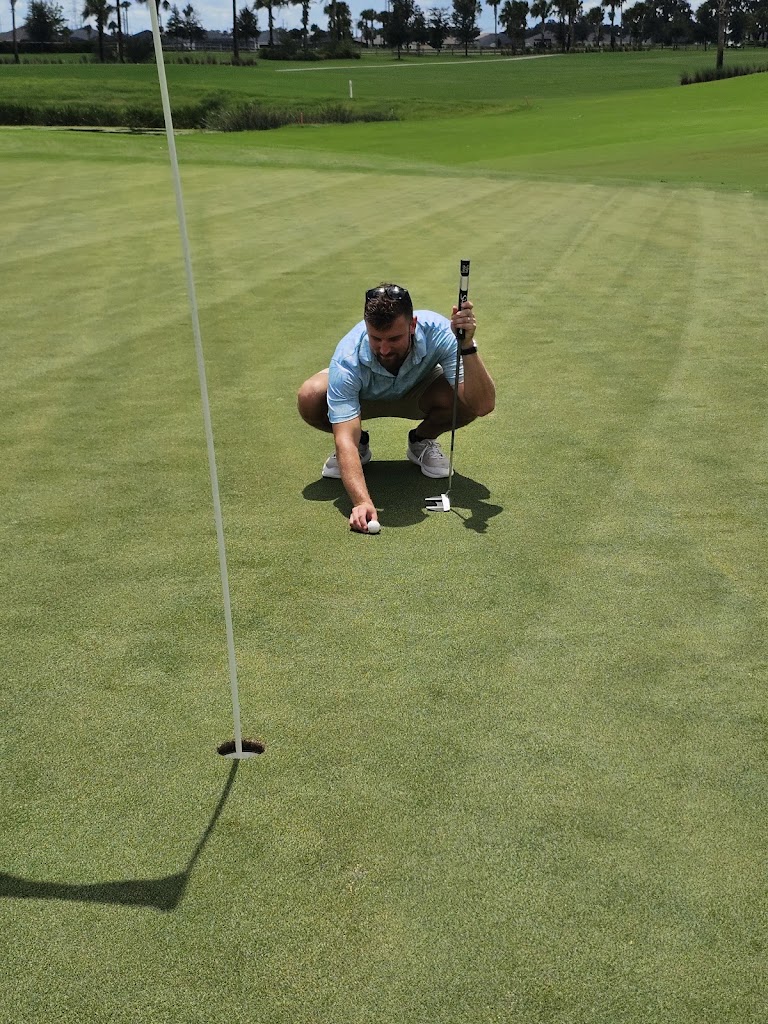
471 351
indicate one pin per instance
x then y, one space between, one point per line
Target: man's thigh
409 407
437 397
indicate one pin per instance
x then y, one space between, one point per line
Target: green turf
423 88
712 134
516 757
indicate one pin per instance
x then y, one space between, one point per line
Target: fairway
515 765
415 88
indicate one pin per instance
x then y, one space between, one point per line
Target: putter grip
463 291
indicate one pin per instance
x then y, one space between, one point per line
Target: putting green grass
515 764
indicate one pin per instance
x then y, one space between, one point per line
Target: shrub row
27 46
288 53
211 113
139 50
94 115
136 49
84 59
294 51
207 59
252 117
715 74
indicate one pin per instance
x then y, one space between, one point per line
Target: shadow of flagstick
160 893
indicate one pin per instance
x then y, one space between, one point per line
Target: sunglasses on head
392 291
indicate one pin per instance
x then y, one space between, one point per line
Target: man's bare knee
306 400
312 402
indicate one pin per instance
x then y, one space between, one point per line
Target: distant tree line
673 22
405 25
648 22
645 23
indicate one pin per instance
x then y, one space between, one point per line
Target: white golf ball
374 526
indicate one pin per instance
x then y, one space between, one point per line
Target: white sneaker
331 469
429 455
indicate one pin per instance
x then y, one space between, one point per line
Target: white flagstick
238 751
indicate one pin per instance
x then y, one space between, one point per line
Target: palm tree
573 10
541 9
595 18
560 8
269 6
759 21
120 56
339 20
513 16
100 11
635 16
164 4
495 5
15 40
305 5
611 5
367 23
235 46
723 13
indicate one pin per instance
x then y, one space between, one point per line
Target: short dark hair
385 303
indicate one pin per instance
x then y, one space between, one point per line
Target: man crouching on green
400 363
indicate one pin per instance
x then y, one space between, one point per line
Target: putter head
440 503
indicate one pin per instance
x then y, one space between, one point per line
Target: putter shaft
442 502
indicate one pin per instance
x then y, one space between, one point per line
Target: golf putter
442 502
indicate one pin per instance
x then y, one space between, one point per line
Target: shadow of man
164 893
399 490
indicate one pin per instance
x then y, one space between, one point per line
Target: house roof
493 39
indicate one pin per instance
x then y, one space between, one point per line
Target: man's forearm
479 390
352 475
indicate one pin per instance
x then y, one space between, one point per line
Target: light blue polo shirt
356 374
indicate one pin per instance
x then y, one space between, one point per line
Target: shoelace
431 447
